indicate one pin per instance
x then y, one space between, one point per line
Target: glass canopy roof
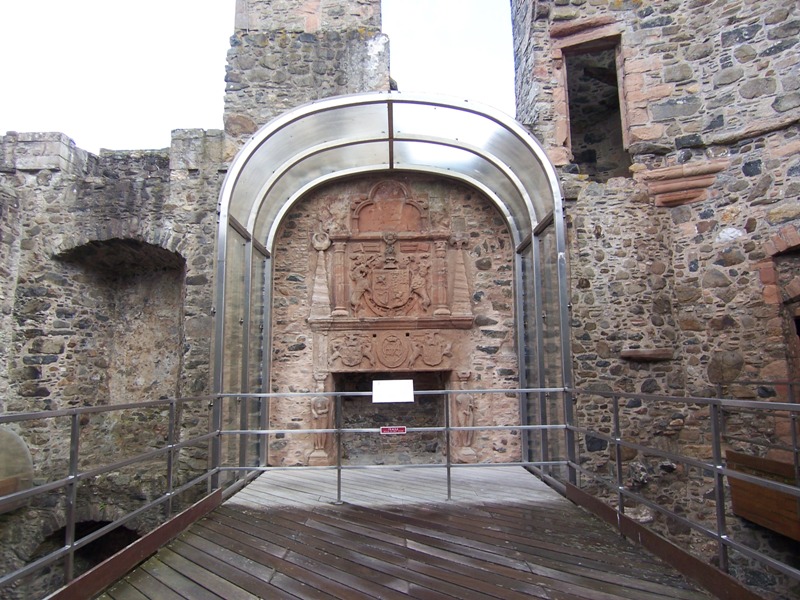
382 131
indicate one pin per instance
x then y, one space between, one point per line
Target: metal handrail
551 459
717 467
76 476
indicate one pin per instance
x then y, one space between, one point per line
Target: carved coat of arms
391 288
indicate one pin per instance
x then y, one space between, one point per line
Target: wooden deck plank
227 560
393 586
181 583
122 591
490 562
149 585
287 562
458 561
503 536
376 561
487 583
203 574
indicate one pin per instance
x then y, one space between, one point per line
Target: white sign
393 390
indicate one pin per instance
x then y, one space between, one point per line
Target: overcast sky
122 74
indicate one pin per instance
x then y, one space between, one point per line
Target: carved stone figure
419 278
360 276
464 416
321 418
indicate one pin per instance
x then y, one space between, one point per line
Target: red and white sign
394 430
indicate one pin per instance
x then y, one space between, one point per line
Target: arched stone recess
399 275
100 324
158 237
392 270
37 530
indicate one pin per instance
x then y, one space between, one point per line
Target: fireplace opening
359 412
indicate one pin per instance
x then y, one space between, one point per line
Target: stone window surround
598 33
786 240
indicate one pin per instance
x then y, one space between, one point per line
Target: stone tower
289 52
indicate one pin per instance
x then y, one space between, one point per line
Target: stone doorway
427 410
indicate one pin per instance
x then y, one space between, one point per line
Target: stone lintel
647 354
594 38
560 30
385 324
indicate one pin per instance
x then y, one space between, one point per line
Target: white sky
123 74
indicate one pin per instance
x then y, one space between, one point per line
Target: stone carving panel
351 350
393 350
387 262
390 283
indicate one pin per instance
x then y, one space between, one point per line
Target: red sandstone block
633 81
771 294
652 132
658 92
643 65
790 234
636 97
780 243
770 248
793 289
638 116
768 274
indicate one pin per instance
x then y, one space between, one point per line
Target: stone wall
107 299
676 284
686 278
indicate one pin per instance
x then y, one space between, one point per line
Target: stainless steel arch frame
384 132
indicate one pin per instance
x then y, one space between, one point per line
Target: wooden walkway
505 535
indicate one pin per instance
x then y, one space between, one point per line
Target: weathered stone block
680 107
728 76
679 72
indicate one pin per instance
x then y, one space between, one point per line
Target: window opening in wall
595 118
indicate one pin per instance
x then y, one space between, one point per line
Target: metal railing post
618 456
216 441
338 418
447 443
263 422
244 422
72 497
719 489
171 455
569 417
544 438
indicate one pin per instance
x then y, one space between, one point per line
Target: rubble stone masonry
681 272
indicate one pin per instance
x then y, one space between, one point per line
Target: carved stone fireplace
377 278
427 410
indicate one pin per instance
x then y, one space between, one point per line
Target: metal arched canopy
386 131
